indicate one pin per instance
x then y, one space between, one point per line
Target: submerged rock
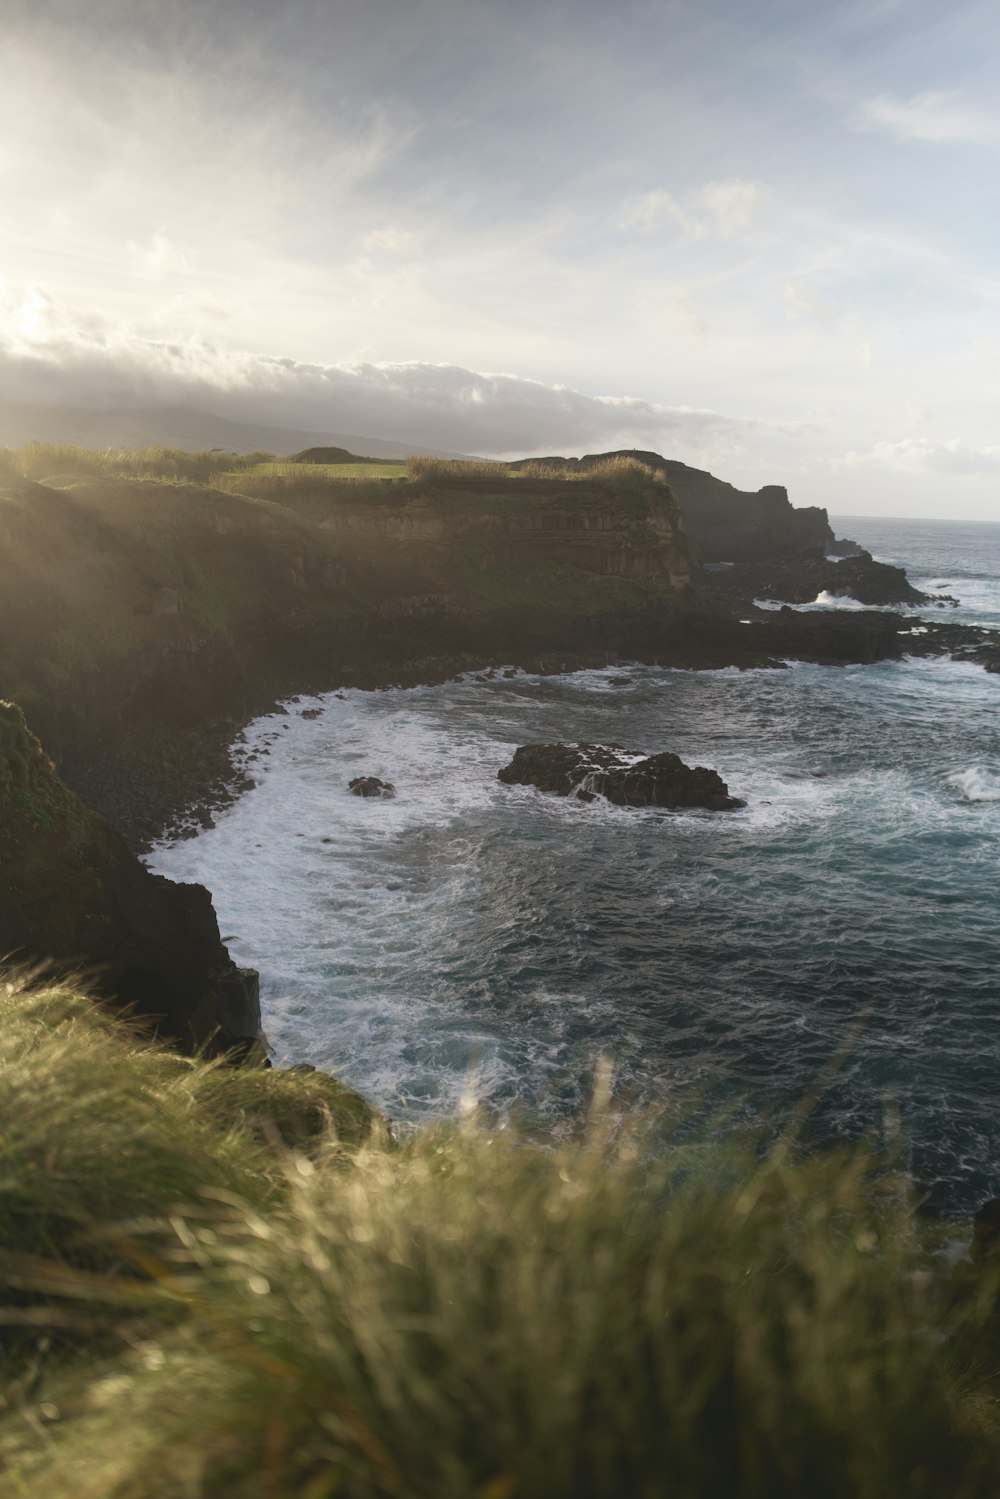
371 786
627 778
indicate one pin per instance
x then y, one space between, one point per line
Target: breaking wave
977 784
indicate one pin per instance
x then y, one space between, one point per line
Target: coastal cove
499 751
468 938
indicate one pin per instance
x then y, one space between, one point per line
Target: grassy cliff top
344 478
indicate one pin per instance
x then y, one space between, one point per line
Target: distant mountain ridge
182 427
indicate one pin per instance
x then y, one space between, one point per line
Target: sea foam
977 784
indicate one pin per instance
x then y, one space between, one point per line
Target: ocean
471 943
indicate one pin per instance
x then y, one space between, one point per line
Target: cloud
389 240
806 300
724 208
732 204
656 208
921 455
684 317
937 117
159 257
53 357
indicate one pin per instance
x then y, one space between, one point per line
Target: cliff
600 528
73 896
727 524
135 601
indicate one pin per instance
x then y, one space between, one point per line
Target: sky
760 236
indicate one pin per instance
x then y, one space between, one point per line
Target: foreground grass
221 1283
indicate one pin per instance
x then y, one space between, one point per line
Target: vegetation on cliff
221 1282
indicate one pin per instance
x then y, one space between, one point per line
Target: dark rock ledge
624 777
802 579
74 898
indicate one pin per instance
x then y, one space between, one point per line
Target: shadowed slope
74 897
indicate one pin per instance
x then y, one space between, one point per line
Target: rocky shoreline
801 580
153 784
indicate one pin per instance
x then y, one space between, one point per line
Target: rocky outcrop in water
801 581
371 786
976 644
627 778
72 896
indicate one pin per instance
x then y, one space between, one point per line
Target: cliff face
127 600
73 895
727 524
115 591
597 528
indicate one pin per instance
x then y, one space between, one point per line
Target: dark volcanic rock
974 643
73 897
371 786
843 546
626 778
802 579
831 637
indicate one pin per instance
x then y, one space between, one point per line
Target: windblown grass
97 1125
618 469
468 1314
367 468
294 483
452 469
622 469
44 460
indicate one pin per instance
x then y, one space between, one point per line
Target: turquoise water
471 940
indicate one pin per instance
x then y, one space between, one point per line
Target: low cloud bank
51 359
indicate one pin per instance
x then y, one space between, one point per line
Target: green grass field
328 470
